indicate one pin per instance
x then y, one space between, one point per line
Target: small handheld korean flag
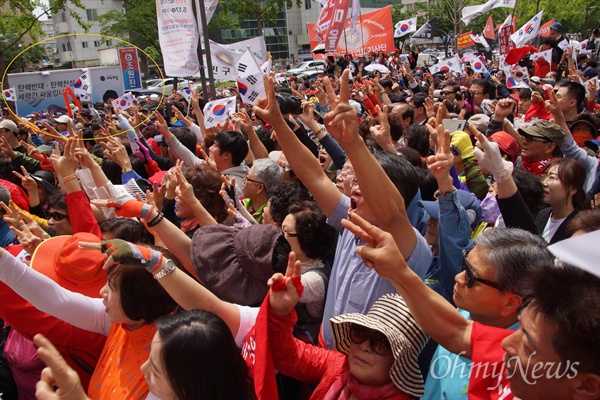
83 88
545 55
478 66
10 94
405 26
250 78
528 31
123 102
217 111
186 93
450 65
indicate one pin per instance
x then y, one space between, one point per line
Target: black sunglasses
57 216
470 274
378 342
446 92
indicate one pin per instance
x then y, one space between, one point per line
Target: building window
64 47
92 14
63 17
97 43
84 45
69 46
307 4
109 43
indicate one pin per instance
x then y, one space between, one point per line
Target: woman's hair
200 358
206 182
315 236
572 176
142 297
127 229
417 137
57 200
586 221
282 196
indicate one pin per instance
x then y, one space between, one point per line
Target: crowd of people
398 235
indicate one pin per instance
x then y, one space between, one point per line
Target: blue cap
557 26
466 199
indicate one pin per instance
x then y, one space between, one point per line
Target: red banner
338 21
465 40
374 33
545 29
506 44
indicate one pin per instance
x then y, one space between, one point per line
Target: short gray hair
515 255
268 172
4 194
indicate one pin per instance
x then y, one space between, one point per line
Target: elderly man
264 174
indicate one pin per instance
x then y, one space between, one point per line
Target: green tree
263 11
20 27
576 16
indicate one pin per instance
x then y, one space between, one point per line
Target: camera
289 104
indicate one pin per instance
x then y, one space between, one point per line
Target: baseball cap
546 130
8 124
557 26
507 144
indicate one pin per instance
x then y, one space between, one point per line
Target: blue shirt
353 287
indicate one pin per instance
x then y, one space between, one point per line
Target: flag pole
362 37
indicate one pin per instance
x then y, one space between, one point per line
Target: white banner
405 26
209 8
178 37
528 31
217 111
225 57
471 12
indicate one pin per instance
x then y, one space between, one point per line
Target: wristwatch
167 267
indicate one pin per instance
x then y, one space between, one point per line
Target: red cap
507 144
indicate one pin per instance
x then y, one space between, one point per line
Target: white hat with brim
390 316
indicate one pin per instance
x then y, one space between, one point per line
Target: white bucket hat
390 316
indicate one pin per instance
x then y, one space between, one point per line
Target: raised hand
28 240
126 207
119 251
284 295
489 157
58 380
341 122
441 163
381 133
504 108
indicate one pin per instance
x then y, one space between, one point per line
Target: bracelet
321 129
127 169
156 220
439 195
69 178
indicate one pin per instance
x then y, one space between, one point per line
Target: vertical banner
373 34
337 25
130 67
178 37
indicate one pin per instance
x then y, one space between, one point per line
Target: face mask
489 209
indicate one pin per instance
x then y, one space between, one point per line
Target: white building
79 48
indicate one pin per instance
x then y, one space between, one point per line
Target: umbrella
319 49
377 67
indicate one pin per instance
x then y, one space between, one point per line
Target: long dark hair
200 358
572 176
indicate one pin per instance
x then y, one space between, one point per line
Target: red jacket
305 362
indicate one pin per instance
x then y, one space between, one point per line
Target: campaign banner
506 44
178 37
465 40
544 30
337 26
225 57
130 67
374 33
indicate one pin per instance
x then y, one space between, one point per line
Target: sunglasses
57 216
529 139
470 274
446 93
378 342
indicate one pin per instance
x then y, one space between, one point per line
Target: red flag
337 25
488 31
545 29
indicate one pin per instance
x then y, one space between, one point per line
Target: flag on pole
515 76
83 87
426 31
123 102
528 31
324 20
481 40
186 93
449 65
405 26
544 30
355 13
217 111
488 31
339 11
545 55
267 66
471 12
478 66
583 46
10 94
250 81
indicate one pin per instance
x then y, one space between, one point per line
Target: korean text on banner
337 25
130 67
465 40
178 37
374 32
225 57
